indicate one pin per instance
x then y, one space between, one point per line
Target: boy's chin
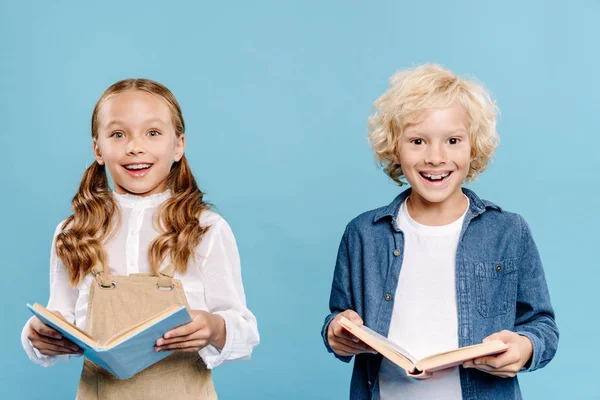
436 196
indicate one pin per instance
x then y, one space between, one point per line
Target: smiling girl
439 268
113 258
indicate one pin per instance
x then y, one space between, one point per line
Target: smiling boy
439 268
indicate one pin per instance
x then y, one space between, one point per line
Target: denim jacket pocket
496 285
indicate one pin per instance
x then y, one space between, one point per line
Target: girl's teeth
138 166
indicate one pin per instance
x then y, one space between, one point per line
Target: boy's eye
153 133
118 135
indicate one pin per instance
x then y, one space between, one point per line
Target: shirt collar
477 206
133 201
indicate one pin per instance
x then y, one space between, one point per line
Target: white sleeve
63 297
224 295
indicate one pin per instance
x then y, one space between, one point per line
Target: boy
439 268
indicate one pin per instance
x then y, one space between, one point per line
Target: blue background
276 96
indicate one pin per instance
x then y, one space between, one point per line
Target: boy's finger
353 316
498 361
340 347
340 331
360 346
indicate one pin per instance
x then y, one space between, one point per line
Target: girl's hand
49 341
342 342
205 329
507 364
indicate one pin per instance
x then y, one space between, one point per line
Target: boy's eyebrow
148 121
448 132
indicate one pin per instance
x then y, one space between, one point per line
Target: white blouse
212 283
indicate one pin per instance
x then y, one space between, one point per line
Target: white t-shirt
424 318
212 282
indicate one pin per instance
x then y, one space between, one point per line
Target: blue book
127 353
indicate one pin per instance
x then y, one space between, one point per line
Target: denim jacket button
498 268
396 252
388 297
370 383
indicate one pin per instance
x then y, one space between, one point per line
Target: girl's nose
134 147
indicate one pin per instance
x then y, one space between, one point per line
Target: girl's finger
183 345
58 348
37 338
198 335
45 330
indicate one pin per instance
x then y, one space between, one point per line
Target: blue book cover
127 354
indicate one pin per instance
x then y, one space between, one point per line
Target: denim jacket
500 284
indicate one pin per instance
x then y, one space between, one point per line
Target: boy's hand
205 329
49 341
342 342
507 364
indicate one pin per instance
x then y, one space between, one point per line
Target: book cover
129 352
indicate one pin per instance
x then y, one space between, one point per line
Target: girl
439 268
123 256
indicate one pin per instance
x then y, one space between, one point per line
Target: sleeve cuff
214 357
534 362
328 320
34 354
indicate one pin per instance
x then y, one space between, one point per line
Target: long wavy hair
79 245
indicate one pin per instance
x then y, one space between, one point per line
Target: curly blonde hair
412 94
79 245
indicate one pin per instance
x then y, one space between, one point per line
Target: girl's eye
154 133
417 141
453 141
118 135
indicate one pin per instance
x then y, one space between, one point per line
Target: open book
424 367
126 353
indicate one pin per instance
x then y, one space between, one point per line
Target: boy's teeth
435 177
138 166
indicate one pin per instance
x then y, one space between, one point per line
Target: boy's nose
435 156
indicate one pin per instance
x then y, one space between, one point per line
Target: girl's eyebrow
147 121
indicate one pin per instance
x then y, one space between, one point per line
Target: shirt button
498 268
388 297
370 383
396 252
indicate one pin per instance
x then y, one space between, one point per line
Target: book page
380 344
454 357
122 336
394 346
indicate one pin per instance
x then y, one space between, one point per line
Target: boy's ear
179 148
98 153
396 158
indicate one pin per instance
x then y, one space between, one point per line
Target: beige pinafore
115 304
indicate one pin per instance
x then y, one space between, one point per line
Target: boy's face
137 142
435 155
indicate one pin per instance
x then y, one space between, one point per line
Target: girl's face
137 142
435 155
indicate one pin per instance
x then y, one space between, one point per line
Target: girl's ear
98 153
179 148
